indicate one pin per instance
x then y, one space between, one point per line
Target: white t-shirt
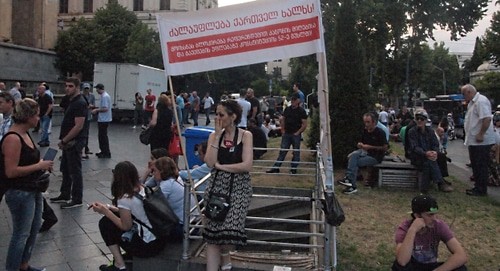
245 108
207 102
383 117
134 205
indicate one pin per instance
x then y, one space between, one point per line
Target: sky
465 44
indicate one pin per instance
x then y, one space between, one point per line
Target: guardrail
321 234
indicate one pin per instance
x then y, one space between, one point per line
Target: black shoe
71 204
47 224
43 144
345 182
88 152
475 192
293 171
273 170
59 199
102 155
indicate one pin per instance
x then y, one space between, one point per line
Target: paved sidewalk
74 243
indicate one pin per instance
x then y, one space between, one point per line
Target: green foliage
116 22
144 47
488 85
313 129
76 48
304 71
492 37
260 87
350 96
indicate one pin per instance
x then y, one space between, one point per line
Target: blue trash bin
194 136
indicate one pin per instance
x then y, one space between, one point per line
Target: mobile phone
50 155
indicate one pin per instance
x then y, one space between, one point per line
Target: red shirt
150 102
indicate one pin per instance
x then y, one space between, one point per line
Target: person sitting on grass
417 240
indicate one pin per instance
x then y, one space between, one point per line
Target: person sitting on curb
417 240
424 148
371 151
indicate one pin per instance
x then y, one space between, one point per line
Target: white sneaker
133 127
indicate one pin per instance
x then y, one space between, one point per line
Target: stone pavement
74 243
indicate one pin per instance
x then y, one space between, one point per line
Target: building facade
35 23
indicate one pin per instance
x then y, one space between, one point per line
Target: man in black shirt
371 150
72 141
45 102
255 109
293 123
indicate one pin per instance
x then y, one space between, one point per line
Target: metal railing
321 234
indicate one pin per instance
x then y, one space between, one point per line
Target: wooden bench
400 174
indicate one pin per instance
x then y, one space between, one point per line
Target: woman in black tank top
21 163
230 155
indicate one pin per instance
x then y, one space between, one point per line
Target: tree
489 85
144 47
116 23
76 49
492 37
350 96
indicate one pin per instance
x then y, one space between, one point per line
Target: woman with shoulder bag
166 176
230 155
21 168
117 227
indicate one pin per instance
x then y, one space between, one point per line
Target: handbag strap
139 196
235 141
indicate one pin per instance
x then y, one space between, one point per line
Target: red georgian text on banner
238 35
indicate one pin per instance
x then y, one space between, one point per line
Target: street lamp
444 78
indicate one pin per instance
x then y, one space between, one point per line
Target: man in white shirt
104 117
479 137
246 106
207 107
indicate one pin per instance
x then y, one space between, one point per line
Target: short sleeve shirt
478 109
77 107
293 119
150 102
105 103
44 102
425 246
375 138
135 206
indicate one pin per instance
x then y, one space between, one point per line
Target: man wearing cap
104 117
417 240
293 123
479 137
423 149
371 151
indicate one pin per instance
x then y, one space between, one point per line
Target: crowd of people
242 127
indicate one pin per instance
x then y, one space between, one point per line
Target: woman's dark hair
232 108
24 110
159 153
125 179
137 94
167 167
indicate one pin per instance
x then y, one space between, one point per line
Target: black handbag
218 205
333 211
145 135
159 213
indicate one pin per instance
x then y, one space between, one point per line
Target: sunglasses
421 118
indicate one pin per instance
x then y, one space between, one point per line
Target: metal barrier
321 234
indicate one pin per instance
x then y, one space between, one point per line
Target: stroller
451 127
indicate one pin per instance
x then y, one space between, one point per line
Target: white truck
122 80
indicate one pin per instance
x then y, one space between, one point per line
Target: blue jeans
71 168
480 158
430 172
26 210
45 124
357 159
207 115
286 141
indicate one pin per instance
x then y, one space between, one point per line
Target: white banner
238 35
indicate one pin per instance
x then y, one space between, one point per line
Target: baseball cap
421 113
99 86
424 203
86 85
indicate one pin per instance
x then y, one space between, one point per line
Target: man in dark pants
72 141
479 137
104 117
293 123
